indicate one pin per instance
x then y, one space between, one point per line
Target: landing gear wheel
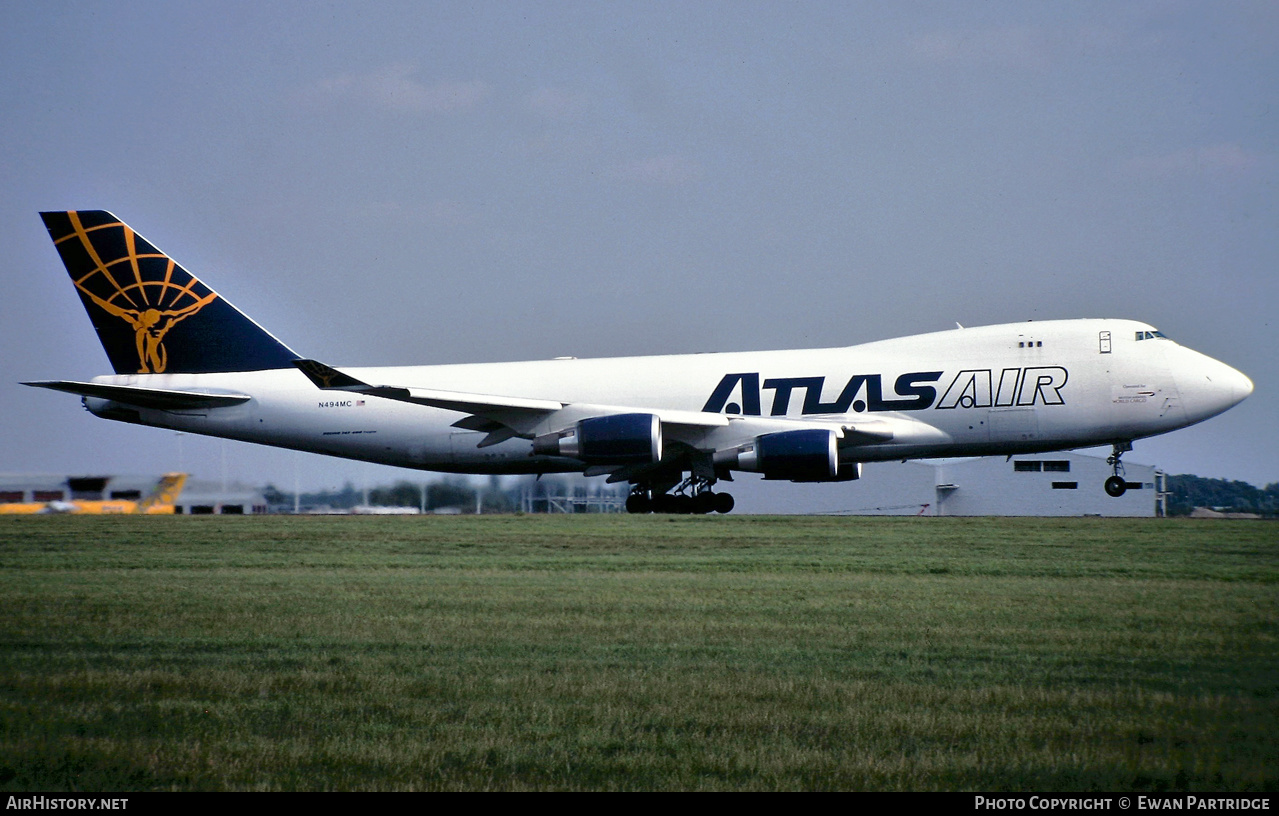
724 502
665 503
638 503
1116 486
704 503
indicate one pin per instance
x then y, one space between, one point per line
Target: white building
1046 484
205 496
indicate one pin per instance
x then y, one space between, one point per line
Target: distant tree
401 494
495 499
454 491
276 496
345 498
1186 492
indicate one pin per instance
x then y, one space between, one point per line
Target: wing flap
852 432
897 430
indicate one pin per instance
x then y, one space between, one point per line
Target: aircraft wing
159 398
504 417
894 428
328 378
489 412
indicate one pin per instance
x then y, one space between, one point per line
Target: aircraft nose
1242 386
1234 385
1209 386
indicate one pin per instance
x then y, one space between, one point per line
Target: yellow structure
161 500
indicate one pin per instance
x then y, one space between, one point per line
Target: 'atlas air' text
916 391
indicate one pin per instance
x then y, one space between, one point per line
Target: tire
704 503
665 503
1116 486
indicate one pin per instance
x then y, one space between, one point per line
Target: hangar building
198 496
207 496
1056 484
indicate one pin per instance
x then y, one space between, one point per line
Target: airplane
672 426
161 500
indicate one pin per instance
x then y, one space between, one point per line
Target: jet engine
618 439
800 456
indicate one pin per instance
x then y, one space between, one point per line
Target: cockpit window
1150 335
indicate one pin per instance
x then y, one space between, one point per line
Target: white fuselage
997 389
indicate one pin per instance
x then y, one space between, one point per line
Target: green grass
613 652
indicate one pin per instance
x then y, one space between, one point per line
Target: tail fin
165 494
151 315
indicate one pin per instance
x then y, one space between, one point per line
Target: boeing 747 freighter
673 427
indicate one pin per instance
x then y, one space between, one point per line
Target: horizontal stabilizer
158 398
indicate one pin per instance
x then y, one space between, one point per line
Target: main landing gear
693 496
1116 485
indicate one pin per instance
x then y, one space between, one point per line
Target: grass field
657 652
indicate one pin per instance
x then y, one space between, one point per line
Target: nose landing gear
1116 485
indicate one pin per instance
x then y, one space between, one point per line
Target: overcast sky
382 183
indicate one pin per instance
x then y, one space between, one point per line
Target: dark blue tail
151 315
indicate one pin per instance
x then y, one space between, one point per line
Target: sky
415 183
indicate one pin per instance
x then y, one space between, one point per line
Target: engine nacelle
619 439
799 456
846 472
